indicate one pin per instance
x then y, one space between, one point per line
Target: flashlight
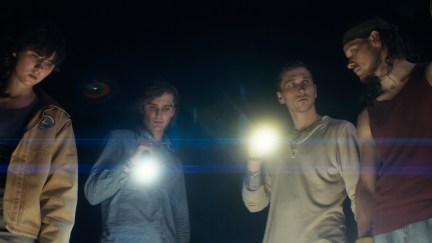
147 170
263 141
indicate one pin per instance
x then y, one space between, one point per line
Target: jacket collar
46 101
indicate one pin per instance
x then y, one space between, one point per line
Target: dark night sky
223 56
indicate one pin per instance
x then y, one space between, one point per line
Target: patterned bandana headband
363 29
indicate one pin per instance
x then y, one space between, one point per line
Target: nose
301 88
38 65
158 113
350 65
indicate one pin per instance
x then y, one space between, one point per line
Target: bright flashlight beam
146 171
263 141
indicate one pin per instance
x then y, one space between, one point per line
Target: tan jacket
41 187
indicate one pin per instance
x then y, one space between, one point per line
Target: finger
141 148
126 169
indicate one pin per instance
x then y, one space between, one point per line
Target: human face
31 68
363 57
158 112
298 90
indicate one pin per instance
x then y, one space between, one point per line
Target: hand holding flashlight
143 149
262 142
144 167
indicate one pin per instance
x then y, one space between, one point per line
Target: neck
15 96
158 136
397 76
14 89
305 120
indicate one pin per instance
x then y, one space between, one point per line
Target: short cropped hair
287 67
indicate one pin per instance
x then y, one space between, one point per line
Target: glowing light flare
147 171
263 141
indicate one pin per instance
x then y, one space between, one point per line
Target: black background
223 56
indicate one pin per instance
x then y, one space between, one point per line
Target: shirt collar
164 141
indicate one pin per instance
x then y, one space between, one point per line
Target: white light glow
263 141
147 171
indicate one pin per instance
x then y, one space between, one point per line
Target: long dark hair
397 45
45 40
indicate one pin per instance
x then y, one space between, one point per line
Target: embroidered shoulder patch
47 122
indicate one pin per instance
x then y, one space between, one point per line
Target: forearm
103 185
253 180
364 206
255 194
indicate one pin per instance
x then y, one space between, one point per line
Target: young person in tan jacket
38 179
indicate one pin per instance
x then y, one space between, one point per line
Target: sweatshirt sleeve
259 199
181 208
349 160
107 175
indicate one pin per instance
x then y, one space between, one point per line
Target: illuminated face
30 68
363 58
298 90
158 113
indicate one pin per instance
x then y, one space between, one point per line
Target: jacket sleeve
348 152
180 207
58 197
107 175
259 199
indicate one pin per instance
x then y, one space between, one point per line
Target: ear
14 54
280 98
142 108
375 38
173 112
316 91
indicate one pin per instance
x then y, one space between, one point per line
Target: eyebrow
349 44
294 77
170 105
45 58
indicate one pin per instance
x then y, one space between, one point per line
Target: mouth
32 76
301 99
356 70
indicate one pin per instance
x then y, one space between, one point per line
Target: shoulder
50 116
50 108
363 118
121 137
339 124
363 127
122 134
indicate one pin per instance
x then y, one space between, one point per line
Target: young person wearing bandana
393 196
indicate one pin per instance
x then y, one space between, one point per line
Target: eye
34 57
151 107
48 65
306 82
167 109
291 84
353 50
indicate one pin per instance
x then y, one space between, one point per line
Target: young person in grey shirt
142 207
306 181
